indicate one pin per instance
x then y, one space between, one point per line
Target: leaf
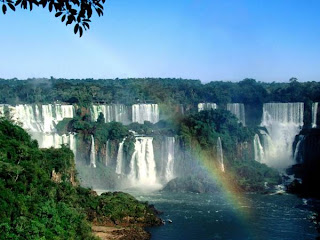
89 11
44 3
50 6
18 2
63 18
99 5
69 20
4 9
11 6
81 31
58 14
76 27
85 24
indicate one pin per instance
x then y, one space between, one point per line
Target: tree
293 80
74 12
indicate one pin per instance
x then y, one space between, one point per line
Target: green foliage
206 126
168 92
64 126
199 133
77 12
252 175
33 206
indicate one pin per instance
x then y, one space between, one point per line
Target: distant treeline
154 90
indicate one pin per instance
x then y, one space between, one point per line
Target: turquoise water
211 216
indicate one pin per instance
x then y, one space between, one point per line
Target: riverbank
119 233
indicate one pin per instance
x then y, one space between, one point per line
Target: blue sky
269 40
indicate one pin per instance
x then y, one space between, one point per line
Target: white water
296 155
113 112
41 118
48 140
238 110
220 154
142 165
92 153
258 149
119 166
283 122
1 110
314 114
206 106
107 153
145 112
169 158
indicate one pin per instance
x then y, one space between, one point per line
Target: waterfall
206 106
238 110
283 122
41 119
145 112
29 116
168 158
258 149
92 153
220 154
181 110
142 164
48 140
73 145
107 153
47 117
2 110
314 114
119 166
113 112
297 151
63 111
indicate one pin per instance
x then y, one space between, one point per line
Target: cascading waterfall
41 119
145 112
107 153
297 152
206 106
92 153
113 112
283 122
119 166
2 110
220 154
238 110
168 159
142 165
314 114
55 140
47 117
258 149
29 116
63 111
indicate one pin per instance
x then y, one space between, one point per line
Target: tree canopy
74 12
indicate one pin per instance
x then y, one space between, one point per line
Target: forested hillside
40 197
156 90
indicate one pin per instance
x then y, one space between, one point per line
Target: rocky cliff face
307 152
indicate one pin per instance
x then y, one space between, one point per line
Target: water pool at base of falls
213 216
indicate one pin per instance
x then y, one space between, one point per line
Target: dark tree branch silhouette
74 12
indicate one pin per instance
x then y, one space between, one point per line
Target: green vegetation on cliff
198 136
40 197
